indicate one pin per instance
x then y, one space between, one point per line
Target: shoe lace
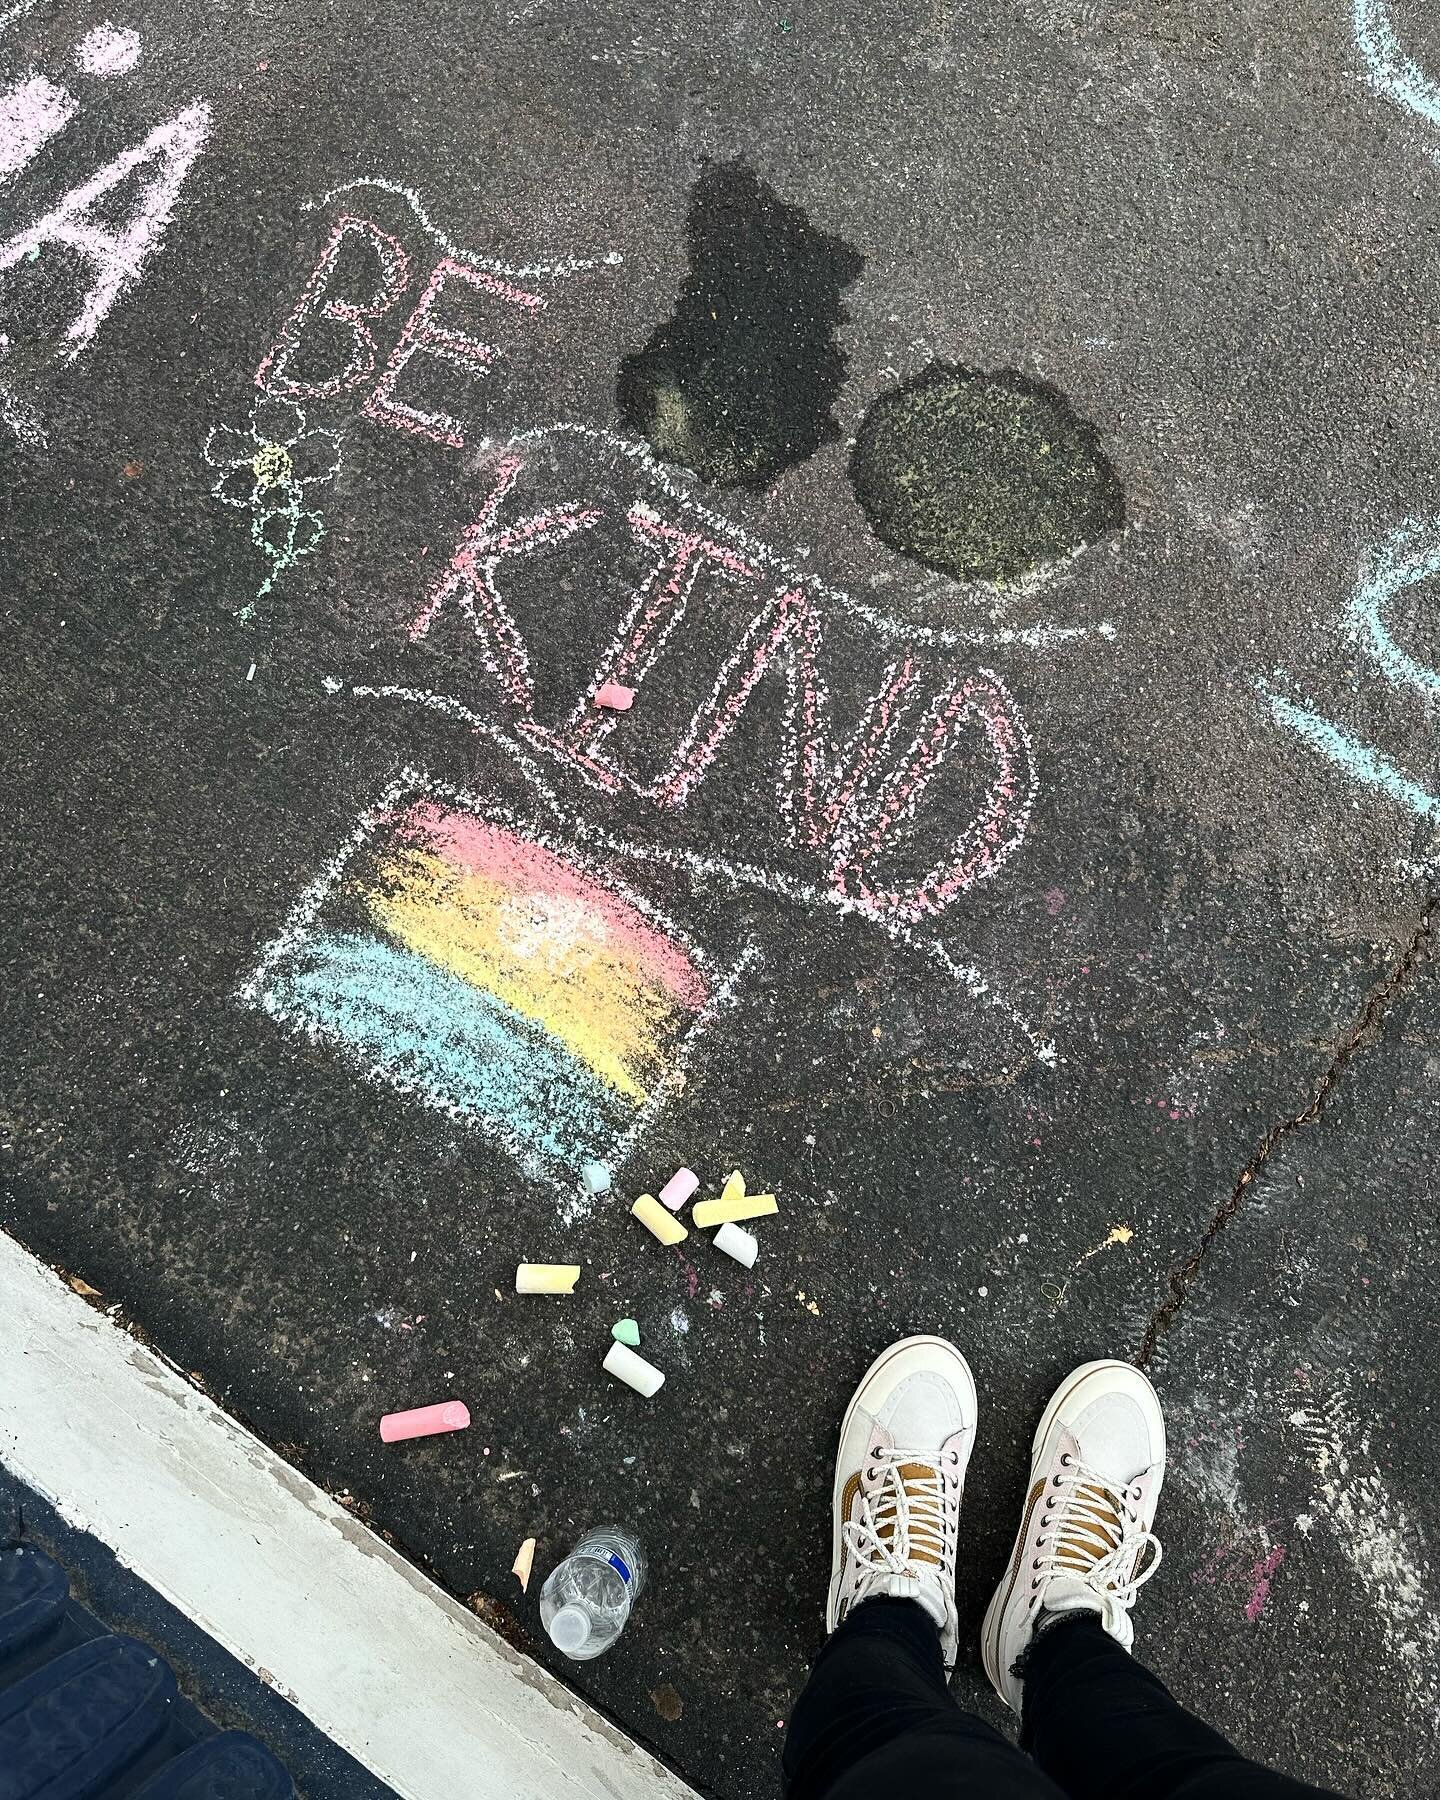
902 1518
1099 1538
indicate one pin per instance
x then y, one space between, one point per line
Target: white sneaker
1096 1467
899 1473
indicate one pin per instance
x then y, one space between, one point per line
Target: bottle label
620 1569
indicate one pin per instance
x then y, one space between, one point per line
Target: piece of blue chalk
595 1178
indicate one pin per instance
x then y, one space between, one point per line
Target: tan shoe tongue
1081 1545
914 1473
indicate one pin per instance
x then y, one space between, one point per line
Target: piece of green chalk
626 1331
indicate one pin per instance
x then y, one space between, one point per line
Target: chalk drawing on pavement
111 254
108 50
16 413
570 265
1368 1523
267 470
1391 70
32 112
710 870
12 14
489 967
302 362
1408 558
874 796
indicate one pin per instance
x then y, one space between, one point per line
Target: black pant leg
1104 1728
877 1718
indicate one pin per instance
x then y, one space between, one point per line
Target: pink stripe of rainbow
490 851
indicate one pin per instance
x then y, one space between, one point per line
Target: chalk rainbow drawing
268 469
1390 70
1408 557
492 970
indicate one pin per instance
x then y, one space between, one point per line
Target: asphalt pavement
992 451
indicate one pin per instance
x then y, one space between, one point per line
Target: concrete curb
376 1656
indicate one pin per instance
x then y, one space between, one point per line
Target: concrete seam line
392 1668
1365 1030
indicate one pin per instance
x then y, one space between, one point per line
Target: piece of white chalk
622 1362
546 1278
736 1242
678 1189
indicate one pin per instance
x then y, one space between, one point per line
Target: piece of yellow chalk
734 1188
657 1221
546 1278
722 1211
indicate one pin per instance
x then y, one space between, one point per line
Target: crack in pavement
1366 1029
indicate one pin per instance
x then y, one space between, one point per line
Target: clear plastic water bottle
587 1599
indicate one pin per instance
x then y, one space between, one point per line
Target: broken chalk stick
425 1421
615 696
659 1223
546 1278
595 1178
634 1371
734 1188
721 1212
735 1241
626 1331
678 1189
524 1562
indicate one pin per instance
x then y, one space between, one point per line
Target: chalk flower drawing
268 470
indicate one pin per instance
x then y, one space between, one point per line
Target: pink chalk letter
425 1421
678 1189
445 343
616 696
317 303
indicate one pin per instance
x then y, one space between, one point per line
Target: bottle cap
570 1629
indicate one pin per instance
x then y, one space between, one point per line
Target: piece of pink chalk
616 696
678 1189
425 1421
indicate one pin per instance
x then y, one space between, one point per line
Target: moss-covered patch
738 385
983 475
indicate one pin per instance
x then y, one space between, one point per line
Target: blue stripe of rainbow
424 1027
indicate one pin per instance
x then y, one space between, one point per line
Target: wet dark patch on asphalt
739 384
983 476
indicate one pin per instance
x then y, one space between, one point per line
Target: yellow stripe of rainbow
556 946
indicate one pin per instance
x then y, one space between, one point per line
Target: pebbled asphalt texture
1153 1073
